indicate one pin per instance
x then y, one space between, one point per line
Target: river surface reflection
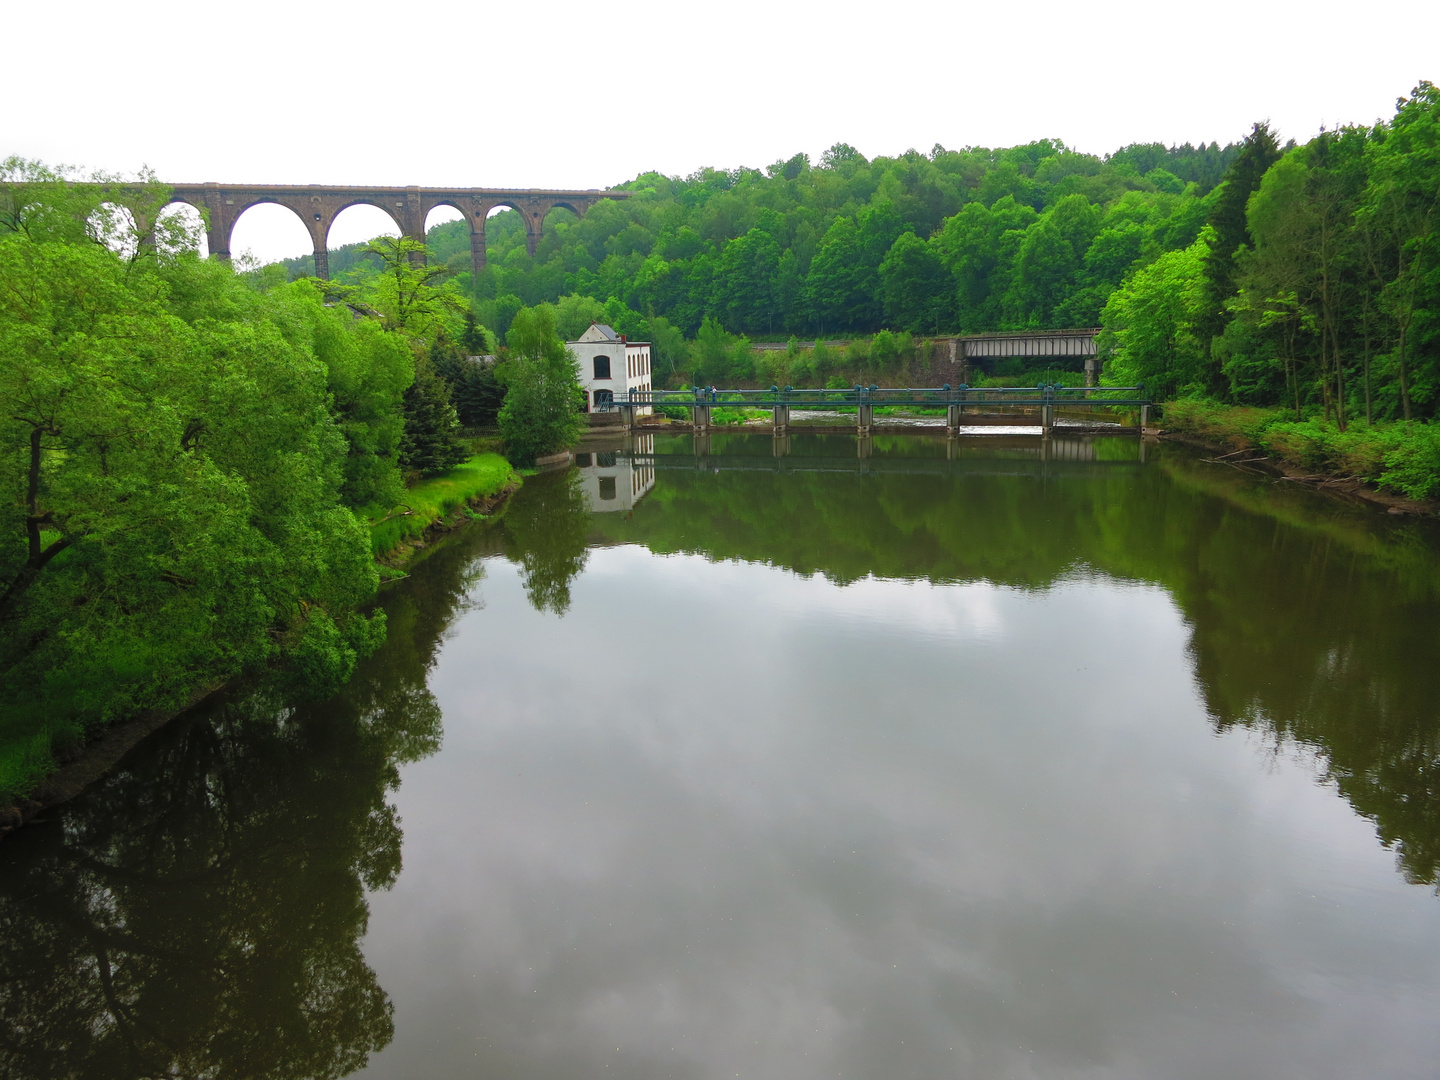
808 759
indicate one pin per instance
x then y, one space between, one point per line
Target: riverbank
472 490
1394 465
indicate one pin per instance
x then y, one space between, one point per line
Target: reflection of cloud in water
707 825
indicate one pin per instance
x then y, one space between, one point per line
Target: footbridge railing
955 400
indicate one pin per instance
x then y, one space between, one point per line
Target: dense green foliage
542 406
1317 285
185 448
1032 236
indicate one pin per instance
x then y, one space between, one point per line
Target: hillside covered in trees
1032 236
1257 274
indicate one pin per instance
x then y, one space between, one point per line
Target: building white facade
610 366
612 480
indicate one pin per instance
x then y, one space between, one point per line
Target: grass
737 416
1399 455
437 498
25 760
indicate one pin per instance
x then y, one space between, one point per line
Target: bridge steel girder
1035 343
318 205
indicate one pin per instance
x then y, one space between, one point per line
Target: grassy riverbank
1402 457
484 476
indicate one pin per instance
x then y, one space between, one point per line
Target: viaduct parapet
317 206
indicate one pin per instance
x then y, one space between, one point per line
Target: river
826 759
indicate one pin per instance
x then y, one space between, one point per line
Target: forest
1259 273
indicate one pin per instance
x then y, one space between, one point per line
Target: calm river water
865 761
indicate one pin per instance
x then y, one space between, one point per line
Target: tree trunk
38 555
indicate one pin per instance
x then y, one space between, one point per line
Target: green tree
1151 326
749 274
574 314
474 389
409 294
431 442
916 288
1230 231
1304 265
1401 213
978 245
541 413
171 500
1049 263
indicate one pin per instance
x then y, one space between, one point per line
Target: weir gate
961 405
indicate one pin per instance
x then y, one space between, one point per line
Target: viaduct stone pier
317 206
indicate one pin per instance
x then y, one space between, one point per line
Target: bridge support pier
952 421
864 420
700 419
782 420
477 248
627 418
1091 370
1047 419
1144 418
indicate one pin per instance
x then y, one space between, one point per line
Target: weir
958 402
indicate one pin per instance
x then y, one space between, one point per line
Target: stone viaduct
317 206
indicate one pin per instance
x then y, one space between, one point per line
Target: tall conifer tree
1259 151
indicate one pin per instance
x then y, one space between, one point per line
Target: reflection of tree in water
545 527
1311 621
199 914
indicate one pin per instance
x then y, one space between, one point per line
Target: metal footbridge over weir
1045 401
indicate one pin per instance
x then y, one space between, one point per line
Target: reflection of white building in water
610 366
611 481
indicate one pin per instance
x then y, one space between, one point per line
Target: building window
582 461
605 461
607 487
603 399
602 368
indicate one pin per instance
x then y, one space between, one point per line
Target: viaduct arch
317 206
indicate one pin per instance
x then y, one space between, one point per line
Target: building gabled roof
599 332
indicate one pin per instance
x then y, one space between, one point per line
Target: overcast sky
564 94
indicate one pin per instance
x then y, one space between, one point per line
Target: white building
610 366
616 481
